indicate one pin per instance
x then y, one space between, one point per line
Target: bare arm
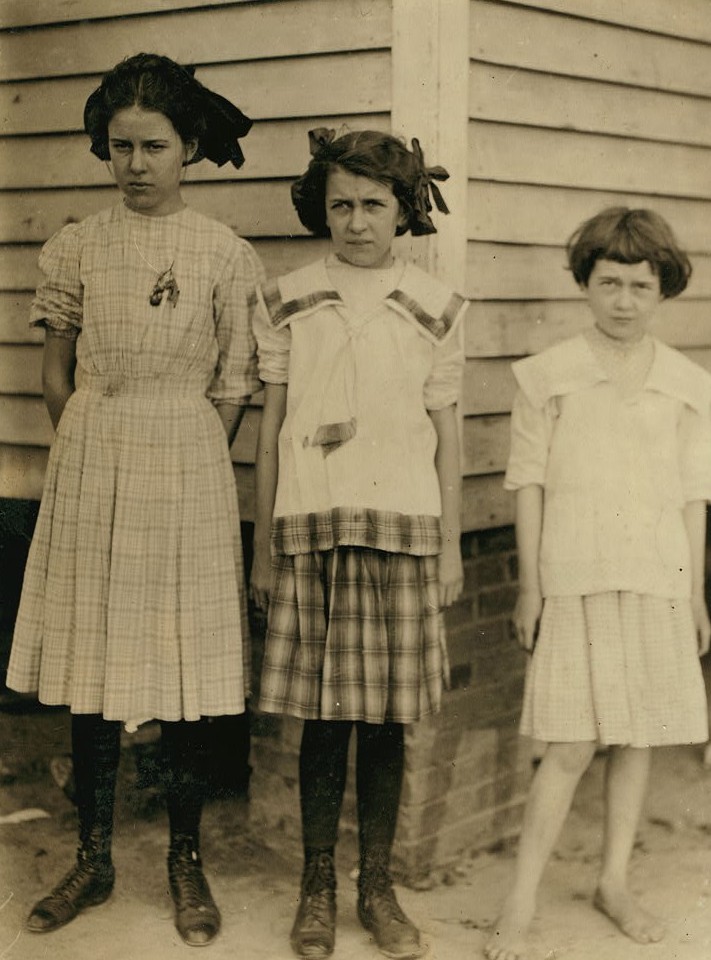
695 521
529 522
267 474
58 365
451 576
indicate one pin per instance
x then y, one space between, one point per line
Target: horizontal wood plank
566 103
250 209
538 40
516 328
340 84
682 18
21 368
22 471
14 319
500 271
503 152
18 267
29 13
529 213
253 31
24 421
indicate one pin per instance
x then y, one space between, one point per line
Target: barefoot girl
611 461
133 601
358 484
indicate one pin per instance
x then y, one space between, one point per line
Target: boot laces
318 886
189 880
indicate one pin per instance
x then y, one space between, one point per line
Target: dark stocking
95 755
323 765
379 771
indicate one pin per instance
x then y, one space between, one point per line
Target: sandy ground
254 877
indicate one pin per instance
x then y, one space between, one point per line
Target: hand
701 623
526 615
261 579
451 574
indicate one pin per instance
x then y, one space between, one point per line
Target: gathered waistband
120 385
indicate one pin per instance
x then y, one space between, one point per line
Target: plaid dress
133 601
355 630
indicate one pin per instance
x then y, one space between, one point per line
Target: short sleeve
273 345
444 383
531 434
236 376
59 301
695 454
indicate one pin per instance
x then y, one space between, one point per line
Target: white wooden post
430 83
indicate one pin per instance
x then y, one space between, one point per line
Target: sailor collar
419 298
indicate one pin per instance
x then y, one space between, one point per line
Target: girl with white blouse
611 464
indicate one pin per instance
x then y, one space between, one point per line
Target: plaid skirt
616 668
354 634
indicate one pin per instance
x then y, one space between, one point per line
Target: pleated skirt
354 634
616 668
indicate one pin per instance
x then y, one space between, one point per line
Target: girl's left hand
701 623
451 574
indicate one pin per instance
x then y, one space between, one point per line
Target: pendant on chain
166 283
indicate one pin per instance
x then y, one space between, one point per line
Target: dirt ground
254 877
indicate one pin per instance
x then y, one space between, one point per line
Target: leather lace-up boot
313 935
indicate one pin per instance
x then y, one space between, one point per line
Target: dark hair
153 82
630 236
377 156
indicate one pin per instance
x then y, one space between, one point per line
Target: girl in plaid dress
611 464
133 603
358 505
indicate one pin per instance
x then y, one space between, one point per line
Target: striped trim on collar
419 298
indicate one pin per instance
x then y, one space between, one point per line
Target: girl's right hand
526 616
260 580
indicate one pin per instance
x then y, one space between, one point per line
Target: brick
460 676
497 540
498 601
460 614
491 570
469 545
512 564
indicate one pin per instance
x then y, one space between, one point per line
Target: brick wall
466 770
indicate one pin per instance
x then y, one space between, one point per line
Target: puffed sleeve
444 383
531 434
695 454
236 376
273 345
59 301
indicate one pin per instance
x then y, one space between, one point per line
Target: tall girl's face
148 154
363 217
623 298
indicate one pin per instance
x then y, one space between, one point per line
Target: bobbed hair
154 82
378 156
627 235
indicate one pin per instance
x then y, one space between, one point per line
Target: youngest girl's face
623 298
363 216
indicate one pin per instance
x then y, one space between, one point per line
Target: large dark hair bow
224 124
320 138
423 185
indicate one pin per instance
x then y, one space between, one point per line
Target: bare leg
627 775
548 804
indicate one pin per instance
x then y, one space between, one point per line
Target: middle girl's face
363 216
148 154
623 297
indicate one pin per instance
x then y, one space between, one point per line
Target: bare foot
508 941
624 911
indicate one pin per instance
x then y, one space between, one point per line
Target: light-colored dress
619 436
133 603
355 630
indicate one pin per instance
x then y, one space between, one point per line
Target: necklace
166 282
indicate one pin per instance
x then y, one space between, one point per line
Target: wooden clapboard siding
575 106
688 19
571 46
540 214
339 84
25 13
226 33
